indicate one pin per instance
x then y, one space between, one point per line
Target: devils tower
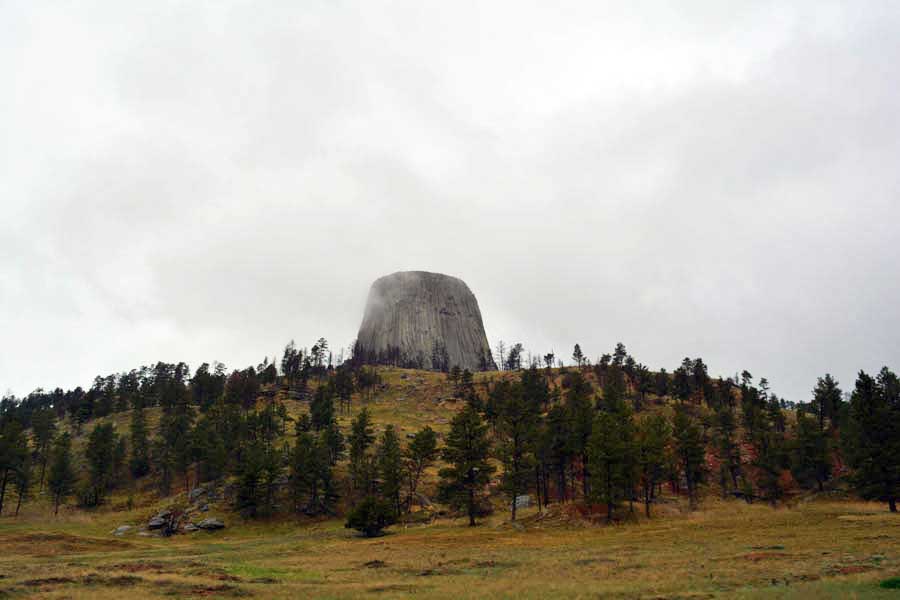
423 320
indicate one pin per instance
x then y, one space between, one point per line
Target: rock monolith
423 320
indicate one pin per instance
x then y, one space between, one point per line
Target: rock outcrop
423 320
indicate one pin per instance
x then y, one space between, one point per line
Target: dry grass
816 550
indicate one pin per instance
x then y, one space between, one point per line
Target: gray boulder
523 501
156 523
122 530
211 524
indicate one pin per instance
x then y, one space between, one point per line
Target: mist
209 181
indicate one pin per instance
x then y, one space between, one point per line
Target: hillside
812 545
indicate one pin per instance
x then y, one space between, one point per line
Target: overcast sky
205 181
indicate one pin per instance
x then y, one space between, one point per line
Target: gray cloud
199 182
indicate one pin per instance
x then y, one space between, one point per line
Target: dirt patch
375 564
92 579
408 589
51 544
48 581
852 569
758 556
216 590
120 581
142 567
583 562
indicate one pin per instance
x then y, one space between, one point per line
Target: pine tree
727 448
321 409
581 416
559 438
13 455
418 456
61 479
390 468
468 471
101 458
311 476
361 466
827 400
578 356
810 457
691 452
209 450
653 437
43 427
518 422
610 455
140 445
873 440
22 482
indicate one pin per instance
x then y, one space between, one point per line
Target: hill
811 545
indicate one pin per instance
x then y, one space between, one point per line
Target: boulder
523 501
156 523
211 524
190 527
122 530
423 320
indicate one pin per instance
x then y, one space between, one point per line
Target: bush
892 583
370 517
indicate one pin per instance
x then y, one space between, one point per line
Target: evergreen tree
559 443
691 452
610 455
61 479
361 466
258 474
518 422
727 448
581 416
418 456
43 427
810 458
334 442
101 458
468 471
653 437
22 482
390 468
321 409
311 479
140 444
826 400
873 440
209 450
13 454
578 356
371 516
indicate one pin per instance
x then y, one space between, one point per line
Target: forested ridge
610 436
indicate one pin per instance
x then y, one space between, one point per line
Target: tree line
610 434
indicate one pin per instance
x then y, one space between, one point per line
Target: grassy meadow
725 550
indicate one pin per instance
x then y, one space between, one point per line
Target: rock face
423 320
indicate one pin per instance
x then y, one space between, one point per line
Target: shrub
370 517
892 583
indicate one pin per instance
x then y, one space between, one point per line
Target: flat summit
423 320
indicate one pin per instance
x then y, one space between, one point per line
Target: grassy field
728 550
